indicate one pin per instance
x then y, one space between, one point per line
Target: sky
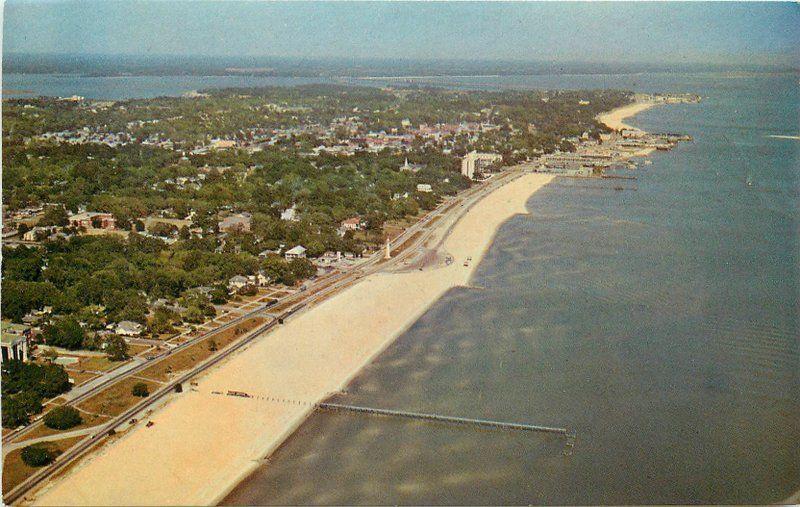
751 33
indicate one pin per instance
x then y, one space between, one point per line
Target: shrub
62 418
212 345
36 456
140 390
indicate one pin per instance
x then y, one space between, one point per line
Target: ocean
658 322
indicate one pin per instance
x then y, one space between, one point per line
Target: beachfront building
475 163
298 252
14 342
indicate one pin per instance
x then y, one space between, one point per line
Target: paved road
86 387
7 448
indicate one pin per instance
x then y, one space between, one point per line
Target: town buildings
93 220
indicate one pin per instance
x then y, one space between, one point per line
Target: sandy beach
202 444
614 119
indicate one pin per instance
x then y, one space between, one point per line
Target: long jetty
444 419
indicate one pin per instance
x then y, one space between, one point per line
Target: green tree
62 418
14 413
66 333
36 455
116 348
55 215
140 389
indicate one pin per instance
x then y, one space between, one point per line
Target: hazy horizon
572 33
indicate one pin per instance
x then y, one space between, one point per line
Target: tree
212 345
30 401
140 389
66 333
193 314
55 215
62 418
36 456
116 348
14 414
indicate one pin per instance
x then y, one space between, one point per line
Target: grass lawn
99 363
80 377
134 349
116 399
193 355
16 471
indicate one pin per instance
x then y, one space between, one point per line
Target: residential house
237 282
351 224
128 328
298 252
424 187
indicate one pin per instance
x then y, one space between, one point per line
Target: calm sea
659 322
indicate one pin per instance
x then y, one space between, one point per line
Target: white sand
614 118
203 444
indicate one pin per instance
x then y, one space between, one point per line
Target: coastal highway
452 208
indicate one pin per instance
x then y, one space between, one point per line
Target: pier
500 425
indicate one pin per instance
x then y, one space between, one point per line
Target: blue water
661 324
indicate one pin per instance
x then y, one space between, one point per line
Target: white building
128 328
298 252
424 187
289 214
14 344
237 282
475 163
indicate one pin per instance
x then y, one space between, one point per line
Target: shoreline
614 119
304 361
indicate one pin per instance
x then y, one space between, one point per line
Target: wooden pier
500 425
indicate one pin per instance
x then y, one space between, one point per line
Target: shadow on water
661 325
